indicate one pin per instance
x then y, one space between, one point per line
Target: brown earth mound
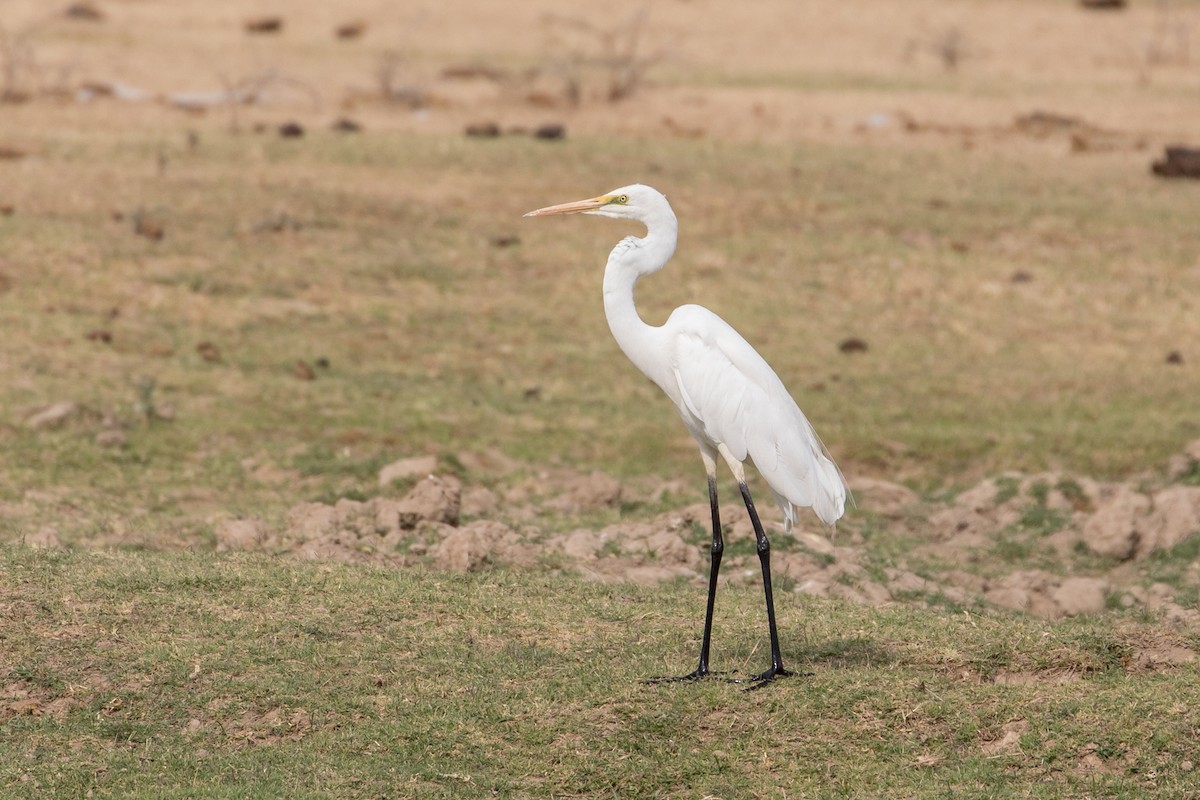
1050 544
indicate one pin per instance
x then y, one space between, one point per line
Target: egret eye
623 199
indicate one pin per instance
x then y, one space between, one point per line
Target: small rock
483 130
264 25
1174 357
852 345
350 30
291 130
84 11
1179 162
552 131
209 352
54 416
147 227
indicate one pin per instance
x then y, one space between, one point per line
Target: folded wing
730 395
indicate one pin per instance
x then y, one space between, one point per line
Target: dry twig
616 52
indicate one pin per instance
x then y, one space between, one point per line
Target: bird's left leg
764 558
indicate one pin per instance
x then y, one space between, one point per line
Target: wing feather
730 395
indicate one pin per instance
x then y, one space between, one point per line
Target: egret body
731 401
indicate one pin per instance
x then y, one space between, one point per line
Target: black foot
759 681
697 675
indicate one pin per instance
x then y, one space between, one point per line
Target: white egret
730 400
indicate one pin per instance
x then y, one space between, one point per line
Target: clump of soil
1014 541
1178 162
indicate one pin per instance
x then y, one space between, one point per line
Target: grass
152 675
437 340
158 668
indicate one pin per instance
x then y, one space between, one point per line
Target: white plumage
729 395
729 398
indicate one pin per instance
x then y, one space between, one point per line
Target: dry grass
435 336
1018 302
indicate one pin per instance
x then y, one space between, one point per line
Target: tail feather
826 494
830 498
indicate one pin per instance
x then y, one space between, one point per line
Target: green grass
147 675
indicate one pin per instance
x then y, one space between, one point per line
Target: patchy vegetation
176 675
1048 544
268 309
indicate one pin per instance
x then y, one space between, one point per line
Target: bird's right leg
718 549
714 567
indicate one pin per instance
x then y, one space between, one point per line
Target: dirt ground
1063 523
975 75
777 71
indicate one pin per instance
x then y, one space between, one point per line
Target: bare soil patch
1061 522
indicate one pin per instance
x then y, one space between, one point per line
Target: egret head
636 202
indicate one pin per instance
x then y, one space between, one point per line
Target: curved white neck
629 260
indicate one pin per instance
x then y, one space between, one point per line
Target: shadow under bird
731 401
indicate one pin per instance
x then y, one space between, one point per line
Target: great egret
730 399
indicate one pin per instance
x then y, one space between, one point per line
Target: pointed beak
576 207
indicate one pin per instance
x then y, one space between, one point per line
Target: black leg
764 558
718 548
